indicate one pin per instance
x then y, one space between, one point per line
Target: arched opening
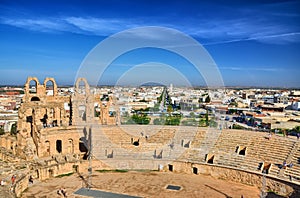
195 170
37 174
70 146
209 158
83 148
47 145
51 172
96 110
49 88
82 112
58 146
243 151
32 87
44 120
170 167
81 87
34 98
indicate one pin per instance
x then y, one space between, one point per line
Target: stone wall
42 108
21 185
281 187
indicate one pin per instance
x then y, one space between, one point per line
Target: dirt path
146 184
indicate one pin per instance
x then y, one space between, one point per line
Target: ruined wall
21 185
82 103
58 141
108 114
229 174
41 107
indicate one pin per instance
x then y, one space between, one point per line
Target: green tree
192 114
173 120
141 119
170 108
202 123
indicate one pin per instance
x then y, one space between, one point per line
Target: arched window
34 98
81 87
32 87
70 146
82 112
49 88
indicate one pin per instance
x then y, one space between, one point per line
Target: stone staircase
246 150
293 173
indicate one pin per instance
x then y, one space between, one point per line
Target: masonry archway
82 112
35 99
82 86
31 85
50 87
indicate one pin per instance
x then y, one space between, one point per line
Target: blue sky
254 43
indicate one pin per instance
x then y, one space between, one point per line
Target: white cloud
98 26
42 25
256 68
215 31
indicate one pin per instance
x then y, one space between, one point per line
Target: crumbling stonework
45 118
41 108
55 137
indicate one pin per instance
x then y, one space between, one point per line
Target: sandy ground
145 184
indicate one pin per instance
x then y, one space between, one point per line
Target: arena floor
143 184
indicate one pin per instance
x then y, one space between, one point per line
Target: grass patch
121 170
125 170
113 171
64 175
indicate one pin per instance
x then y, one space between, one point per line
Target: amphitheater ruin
61 134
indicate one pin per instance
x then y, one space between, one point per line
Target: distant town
257 109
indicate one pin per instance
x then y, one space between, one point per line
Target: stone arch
82 112
50 86
78 86
35 99
29 85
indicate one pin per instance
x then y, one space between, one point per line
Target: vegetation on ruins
65 175
114 170
235 126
